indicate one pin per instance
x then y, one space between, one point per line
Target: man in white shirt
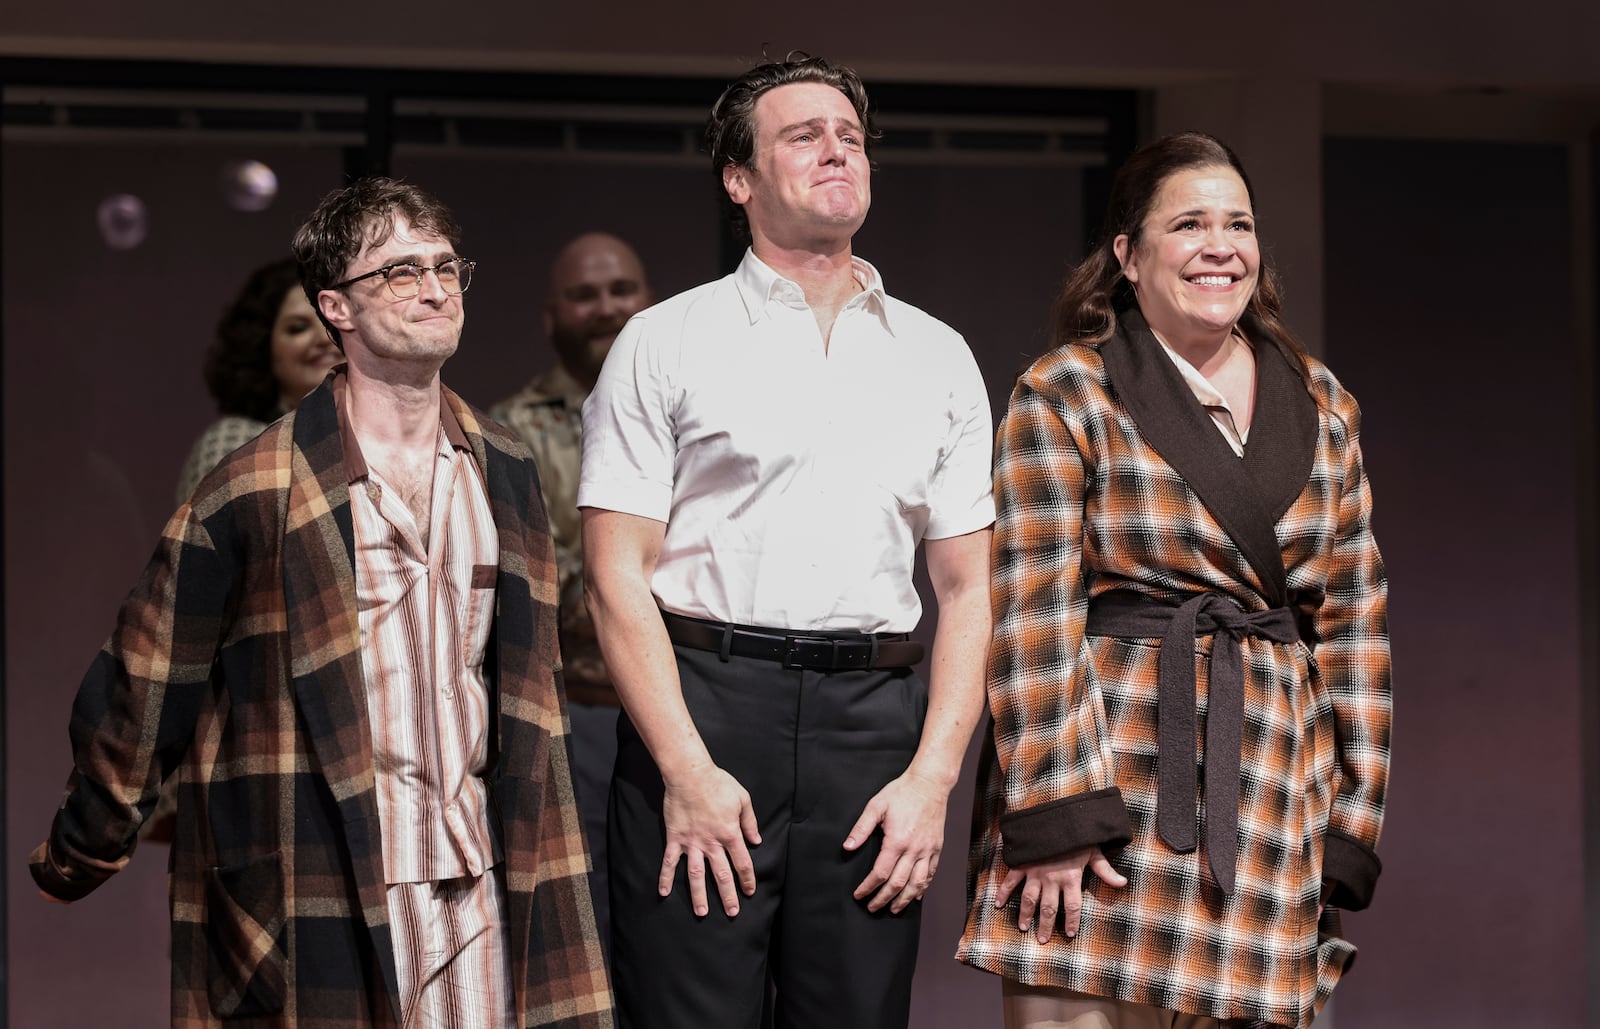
762 456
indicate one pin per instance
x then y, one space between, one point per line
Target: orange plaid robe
1091 501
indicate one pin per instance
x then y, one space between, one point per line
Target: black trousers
811 748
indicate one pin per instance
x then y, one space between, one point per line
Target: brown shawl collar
1247 496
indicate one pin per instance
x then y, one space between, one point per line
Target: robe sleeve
1352 655
1050 728
135 710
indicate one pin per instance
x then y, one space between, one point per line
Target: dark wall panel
1450 317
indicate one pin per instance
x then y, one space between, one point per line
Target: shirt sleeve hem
647 500
949 528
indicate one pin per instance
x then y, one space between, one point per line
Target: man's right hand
709 818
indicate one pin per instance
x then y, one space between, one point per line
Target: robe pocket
526 754
1335 956
480 611
246 966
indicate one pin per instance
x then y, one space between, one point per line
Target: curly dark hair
731 128
238 367
1096 290
357 215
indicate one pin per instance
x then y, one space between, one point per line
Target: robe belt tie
1126 614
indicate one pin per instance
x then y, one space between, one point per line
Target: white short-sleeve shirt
795 481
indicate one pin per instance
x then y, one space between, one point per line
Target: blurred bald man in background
596 284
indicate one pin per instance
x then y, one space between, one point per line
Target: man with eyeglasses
762 457
345 646
597 283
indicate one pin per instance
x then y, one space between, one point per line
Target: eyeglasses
405 280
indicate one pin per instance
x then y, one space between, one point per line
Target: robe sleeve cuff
55 880
1352 867
1095 819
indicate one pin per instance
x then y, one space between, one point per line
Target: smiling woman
270 351
1184 577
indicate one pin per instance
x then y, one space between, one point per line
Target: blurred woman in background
269 352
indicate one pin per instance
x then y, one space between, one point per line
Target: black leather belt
819 650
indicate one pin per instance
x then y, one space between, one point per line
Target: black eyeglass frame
422 269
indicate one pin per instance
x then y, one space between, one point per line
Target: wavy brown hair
1096 291
238 364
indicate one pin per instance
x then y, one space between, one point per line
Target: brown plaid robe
236 660
1111 476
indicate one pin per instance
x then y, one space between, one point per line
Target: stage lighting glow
249 185
122 221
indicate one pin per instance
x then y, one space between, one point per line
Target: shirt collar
354 462
1198 384
759 285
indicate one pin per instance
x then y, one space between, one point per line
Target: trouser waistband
821 650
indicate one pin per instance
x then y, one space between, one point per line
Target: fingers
750 829
732 872
898 877
749 825
708 823
1050 902
871 815
696 874
1014 878
906 883
1054 889
728 877
1043 902
1071 909
1102 868
742 874
669 868
1028 904
727 884
882 871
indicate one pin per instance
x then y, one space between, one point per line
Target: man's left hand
911 811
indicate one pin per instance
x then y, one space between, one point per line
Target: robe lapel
325 643
1246 497
1283 433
